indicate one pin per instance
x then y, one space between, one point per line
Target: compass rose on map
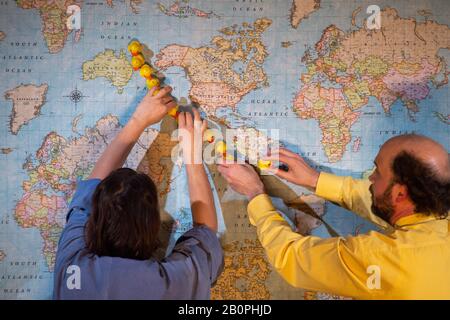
75 96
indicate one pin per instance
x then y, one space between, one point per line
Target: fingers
228 168
249 167
194 121
280 158
162 92
182 120
185 120
224 162
152 90
189 121
223 169
280 173
171 105
167 99
204 125
196 114
197 120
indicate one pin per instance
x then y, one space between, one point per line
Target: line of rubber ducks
221 148
146 71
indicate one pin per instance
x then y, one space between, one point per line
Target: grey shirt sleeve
210 251
198 257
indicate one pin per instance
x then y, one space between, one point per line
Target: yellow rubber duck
134 47
209 136
146 71
173 112
137 61
221 148
152 82
264 164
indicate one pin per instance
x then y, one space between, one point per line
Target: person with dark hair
107 248
407 196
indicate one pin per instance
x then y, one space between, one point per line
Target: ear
399 193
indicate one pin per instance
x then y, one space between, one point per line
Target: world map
334 87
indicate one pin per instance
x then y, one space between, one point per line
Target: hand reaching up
154 107
190 133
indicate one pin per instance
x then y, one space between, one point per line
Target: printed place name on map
28 58
115 37
23 44
268 114
17 290
118 24
18 70
248 6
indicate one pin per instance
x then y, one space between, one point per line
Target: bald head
429 152
423 166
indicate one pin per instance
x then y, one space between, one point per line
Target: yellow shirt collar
441 225
414 218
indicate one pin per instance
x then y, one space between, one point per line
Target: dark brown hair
429 192
125 219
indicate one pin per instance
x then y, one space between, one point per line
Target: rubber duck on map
138 62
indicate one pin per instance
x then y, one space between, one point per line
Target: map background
62 72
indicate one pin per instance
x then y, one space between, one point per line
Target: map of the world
336 79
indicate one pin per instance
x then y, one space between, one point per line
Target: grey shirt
187 273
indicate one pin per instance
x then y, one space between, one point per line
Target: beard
382 206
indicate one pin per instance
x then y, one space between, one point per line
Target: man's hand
190 133
299 171
243 179
153 108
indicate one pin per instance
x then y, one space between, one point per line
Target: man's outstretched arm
349 193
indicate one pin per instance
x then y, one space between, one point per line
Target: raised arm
150 111
202 203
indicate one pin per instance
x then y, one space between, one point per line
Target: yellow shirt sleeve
349 193
334 265
368 266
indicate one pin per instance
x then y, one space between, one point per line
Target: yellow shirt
408 261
